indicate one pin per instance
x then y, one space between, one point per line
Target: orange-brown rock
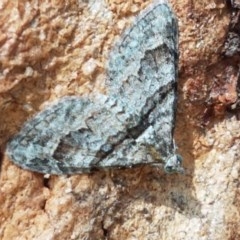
50 49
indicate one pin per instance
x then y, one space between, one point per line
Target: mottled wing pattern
132 125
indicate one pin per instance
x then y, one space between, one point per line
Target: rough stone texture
49 50
232 43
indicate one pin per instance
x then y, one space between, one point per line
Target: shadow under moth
132 125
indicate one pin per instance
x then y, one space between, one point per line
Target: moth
131 125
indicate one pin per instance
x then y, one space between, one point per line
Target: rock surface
49 50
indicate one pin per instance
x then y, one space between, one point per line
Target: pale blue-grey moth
132 125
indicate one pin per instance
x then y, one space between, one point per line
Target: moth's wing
142 72
71 136
37 144
155 29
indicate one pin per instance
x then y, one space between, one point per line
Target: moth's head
174 164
